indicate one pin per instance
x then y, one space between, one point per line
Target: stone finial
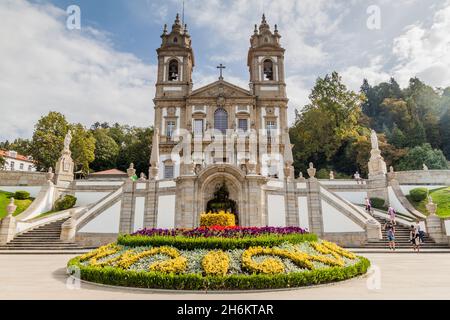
391 169
165 29
331 175
131 171
425 167
311 170
11 208
256 29
143 177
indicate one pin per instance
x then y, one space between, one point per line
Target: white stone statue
67 141
425 167
331 175
374 140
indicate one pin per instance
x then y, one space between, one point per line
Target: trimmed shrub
377 203
217 219
191 243
65 203
21 195
418 194
157 280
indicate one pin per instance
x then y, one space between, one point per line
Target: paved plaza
397 276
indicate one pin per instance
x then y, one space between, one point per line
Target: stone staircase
44 238
401 239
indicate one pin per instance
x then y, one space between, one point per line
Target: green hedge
155 280
190 243
67 202
21 195
377 203
418 194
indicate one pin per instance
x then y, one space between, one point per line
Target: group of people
416 234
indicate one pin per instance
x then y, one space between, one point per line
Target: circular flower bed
219 259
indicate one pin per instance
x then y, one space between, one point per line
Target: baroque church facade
252 121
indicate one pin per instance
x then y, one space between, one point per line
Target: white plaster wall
87 198
395 202
32 190
354 197
335 221
106 222
166 212
303 212
139 213
447 227
276 211
99 183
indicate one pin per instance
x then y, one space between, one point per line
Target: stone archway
210 178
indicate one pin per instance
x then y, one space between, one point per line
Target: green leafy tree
396 137
2 162
424 154
48 140
136 149
444 128
106 150
82 147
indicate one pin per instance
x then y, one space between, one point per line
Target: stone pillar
151 205
314 202
185 209
292 218
68 230
434 224
65 167
256 215
8 224
373 230
377 187
127 207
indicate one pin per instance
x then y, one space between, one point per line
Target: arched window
173 70
221 120
175 40
268 69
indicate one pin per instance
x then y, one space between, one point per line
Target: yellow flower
216 263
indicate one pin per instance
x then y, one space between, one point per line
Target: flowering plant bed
177 261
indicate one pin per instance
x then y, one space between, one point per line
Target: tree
420 155
396 137
2 162
136 149
444 128
82 147
321 129
106 150
48 140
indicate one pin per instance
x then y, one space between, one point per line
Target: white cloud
45 67
353 76
424 52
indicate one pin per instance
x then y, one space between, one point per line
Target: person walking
391 213
368 205
420 232
390 235
414 238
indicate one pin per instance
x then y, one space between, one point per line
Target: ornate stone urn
311 170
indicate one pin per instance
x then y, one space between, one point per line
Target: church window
168 171
221 120
173 70
270 127
268 69
12 165
198 127
175 40
170 128
21 166
243 124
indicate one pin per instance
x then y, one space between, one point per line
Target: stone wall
21 178
440 177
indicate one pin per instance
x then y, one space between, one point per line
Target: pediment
220 89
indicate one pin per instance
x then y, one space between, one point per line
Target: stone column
256 215
185 215
151 205
8 224
127 207
314 202
292 218
434 224
373 230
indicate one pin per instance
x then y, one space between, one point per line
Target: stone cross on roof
221 67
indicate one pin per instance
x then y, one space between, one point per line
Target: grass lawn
22 205
441 197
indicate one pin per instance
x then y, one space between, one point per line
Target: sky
106 70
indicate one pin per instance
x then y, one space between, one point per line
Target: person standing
357 177
420 232
390 235
414 238
391 213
